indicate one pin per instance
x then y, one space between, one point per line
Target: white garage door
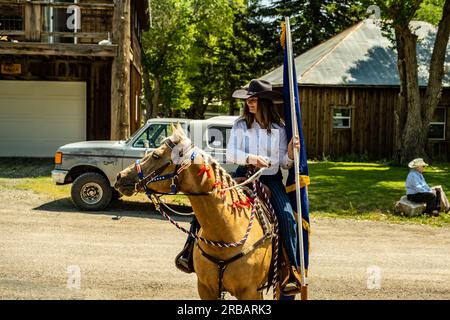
36 117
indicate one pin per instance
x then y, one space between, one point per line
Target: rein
218 244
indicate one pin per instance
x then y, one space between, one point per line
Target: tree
212 58
189 59
167 46
241 54
431 11
312 22
200 51
415 112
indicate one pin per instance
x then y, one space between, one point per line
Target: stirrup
183 263
292 286
290 289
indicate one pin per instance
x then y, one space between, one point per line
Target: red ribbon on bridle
203 169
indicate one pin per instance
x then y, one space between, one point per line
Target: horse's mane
220 173
227 181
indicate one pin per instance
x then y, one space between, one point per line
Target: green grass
364 190
356 190
19 168
30 174
34 174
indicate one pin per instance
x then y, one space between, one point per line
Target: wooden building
349 88
70 71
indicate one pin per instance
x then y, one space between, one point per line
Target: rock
409 208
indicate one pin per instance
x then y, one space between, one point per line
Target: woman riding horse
258 138
233 251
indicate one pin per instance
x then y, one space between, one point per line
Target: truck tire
91 191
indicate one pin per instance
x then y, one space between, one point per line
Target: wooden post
120 79
33 22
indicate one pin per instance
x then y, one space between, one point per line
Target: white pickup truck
92 166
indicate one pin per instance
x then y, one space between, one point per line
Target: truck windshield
153 136
130 138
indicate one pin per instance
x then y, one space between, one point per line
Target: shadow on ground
118 209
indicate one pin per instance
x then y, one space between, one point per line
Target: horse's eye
155 156
180 154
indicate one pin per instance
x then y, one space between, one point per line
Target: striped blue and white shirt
415 183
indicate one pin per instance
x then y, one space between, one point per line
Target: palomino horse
221 220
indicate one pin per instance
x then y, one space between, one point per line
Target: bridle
155 175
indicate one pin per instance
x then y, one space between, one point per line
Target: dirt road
132 257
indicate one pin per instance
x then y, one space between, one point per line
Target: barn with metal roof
349 88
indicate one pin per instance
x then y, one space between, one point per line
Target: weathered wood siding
440 150
96 21
372 122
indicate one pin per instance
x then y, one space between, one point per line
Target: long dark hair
269 114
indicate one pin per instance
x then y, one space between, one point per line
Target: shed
349 88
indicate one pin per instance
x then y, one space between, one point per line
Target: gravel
127 252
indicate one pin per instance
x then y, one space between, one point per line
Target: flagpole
296 159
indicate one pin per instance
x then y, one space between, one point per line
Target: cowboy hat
417 163
258 89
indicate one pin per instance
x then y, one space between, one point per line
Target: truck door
216 144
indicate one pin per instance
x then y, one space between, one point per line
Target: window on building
342 118
136 25
59 23
11 18
438 124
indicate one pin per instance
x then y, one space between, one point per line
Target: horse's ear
180 129
172 127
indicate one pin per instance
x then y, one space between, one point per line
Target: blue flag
304 174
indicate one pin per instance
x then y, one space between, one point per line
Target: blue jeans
283 209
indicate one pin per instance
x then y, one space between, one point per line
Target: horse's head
160 161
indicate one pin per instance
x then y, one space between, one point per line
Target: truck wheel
91 191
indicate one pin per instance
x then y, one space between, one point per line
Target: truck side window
217 137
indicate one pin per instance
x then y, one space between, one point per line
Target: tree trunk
231 109
434 88
413 142
151 95
155 97
234 105
401 110
418 113
120 78
197 110
147 93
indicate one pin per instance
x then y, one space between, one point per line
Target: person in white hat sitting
417 190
